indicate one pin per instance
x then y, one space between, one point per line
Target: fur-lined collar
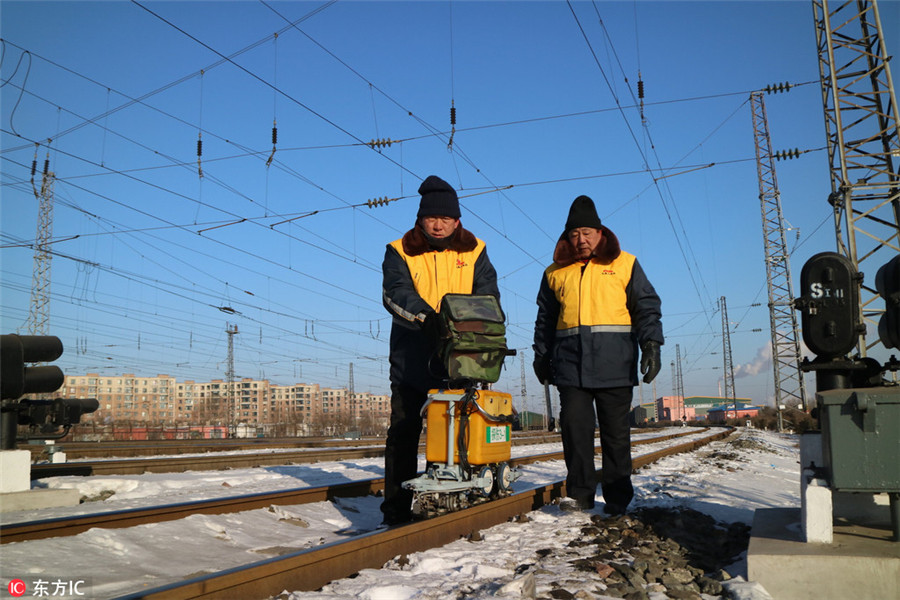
607 250
415 243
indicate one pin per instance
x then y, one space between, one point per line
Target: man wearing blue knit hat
596 307
436 257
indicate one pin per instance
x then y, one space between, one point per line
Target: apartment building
163 400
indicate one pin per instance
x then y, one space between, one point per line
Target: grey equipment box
861 438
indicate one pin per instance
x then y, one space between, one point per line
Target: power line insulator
372 203
274 135
787 154
380 143
776 88
46 166
640 88
453 115
199 154
33 167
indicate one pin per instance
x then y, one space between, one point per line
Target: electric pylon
679 380
861 124
229 373
524 394
790 388
726 352
39 313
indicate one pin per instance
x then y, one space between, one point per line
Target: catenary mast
861 124
790 388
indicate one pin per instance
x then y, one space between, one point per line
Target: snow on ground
728 481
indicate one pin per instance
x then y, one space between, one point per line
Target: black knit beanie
582 213
438 199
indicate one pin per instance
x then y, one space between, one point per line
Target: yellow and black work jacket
416 278
593 315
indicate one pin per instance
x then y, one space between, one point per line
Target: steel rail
137 448
310 569
179 464
67 526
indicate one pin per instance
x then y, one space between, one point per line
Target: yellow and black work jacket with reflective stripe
416 278
592 316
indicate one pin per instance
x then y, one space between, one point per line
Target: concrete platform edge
35 499
861 562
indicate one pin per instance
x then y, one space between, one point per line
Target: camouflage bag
473 340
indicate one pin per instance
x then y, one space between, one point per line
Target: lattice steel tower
679 380
229 373
728 366
524 393
790 388
861 123
39 313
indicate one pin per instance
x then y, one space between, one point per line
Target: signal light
16 379
887 283
45 416
829 306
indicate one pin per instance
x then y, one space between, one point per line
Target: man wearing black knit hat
596 307
436 257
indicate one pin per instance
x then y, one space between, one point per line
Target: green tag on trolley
497 434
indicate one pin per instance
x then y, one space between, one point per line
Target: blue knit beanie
438 199
582 213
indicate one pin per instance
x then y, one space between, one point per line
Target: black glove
650 360
543 369
431 327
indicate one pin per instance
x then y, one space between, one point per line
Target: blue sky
153 261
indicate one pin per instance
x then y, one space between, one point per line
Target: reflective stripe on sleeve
595 329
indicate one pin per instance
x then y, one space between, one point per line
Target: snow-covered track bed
310 569
65 526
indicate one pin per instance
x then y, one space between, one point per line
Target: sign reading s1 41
819 290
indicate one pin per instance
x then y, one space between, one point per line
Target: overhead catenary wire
177 82
634 138
266 83
517 208
245 214
274 101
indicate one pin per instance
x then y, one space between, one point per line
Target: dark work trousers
577 418
401 450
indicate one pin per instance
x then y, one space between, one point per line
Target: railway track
65 526
145 448
310 569
221 460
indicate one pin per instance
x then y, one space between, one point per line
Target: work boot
576 504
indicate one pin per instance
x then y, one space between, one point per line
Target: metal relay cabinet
861 438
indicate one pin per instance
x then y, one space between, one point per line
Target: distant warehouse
693 408
732 410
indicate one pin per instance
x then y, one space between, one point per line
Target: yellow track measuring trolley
468 425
